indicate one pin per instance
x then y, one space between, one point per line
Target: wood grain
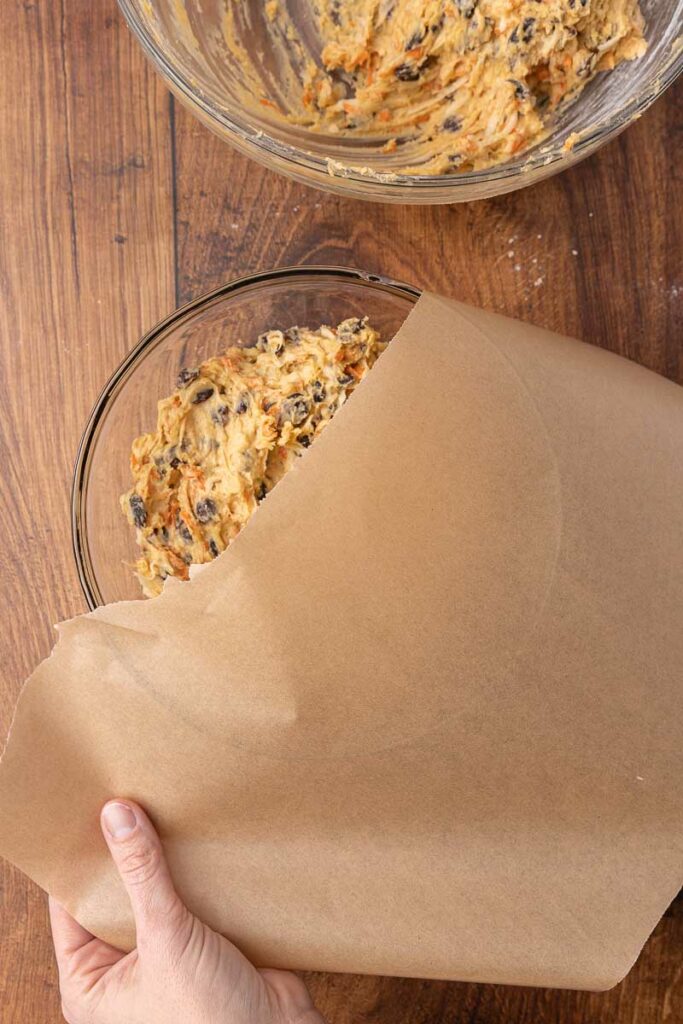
86 263
114 206
594 252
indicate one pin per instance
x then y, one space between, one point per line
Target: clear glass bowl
104 543
185 40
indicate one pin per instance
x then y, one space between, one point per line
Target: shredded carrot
179 567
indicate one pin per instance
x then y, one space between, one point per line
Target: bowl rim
299 161
84 568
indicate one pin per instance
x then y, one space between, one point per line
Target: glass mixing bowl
104 543
186 42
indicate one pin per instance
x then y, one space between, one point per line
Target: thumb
139 858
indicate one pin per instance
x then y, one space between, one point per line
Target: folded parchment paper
423 717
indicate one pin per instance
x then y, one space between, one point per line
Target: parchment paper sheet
424 716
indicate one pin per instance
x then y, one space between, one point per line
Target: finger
68 935
78 953
292 996
139 858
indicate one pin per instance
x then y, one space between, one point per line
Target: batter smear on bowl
463 84
232 428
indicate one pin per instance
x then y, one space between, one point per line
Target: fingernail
119 820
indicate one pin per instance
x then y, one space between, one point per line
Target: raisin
184 530
175 462
205 510
261 491
294 409
213 548
416 38
467 7
521 91
514 35
219 416
452 123
351 327
345 379
528 29
407 73
202 396
137 507
305 441
242 405
318 391
186 376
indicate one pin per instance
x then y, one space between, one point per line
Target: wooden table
115 207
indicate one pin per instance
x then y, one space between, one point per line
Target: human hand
181 972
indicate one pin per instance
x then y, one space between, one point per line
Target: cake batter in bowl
229 432
272 78
159 395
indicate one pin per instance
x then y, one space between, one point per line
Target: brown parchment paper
423 717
